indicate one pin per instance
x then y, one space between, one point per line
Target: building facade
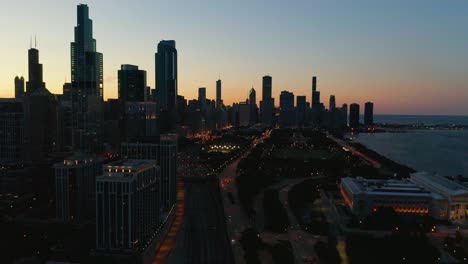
127 203
87 86
75 188
354 116
422 194
132 84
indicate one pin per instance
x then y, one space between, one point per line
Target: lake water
421 119
441 151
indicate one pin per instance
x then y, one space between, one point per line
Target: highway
202 238
346 146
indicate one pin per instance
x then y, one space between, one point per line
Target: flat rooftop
131 164
384 187
440 183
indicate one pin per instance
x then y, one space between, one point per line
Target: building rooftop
131 164
439 183
384 187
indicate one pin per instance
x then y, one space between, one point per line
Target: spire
30 42
35 41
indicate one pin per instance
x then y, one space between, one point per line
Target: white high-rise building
127 205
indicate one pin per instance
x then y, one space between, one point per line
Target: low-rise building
423 194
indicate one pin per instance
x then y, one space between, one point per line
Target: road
236 220
346 146
169 242
302 242
202 238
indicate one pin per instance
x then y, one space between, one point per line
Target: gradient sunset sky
408 57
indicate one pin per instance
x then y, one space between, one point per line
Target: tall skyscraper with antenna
35 79
87 85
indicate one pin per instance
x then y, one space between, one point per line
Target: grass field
302 154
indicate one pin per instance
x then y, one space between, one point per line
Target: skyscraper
287 108
75 188
354 116
344 113
252 97
127 206
166 75
253 106
266 106
165 155
35 80
132 84
87 85
315 94
202 99
12 126
332 105
301 110
19 87
369 114
218 94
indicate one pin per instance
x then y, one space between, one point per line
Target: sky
408 57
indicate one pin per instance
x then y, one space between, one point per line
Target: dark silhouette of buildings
368 114
12 129
87 85
253 106
301 110
344 113
166 75
317 107
166 85
267 103
332 105
202 99
132 84
19 87
354 116
287 116
75 188
315 94
35 80
218 94
127 206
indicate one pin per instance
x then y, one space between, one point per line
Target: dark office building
19 87
202 99
12 125
315 94
140 121
354 116
87 86
35 80
332 105
301 110
75 188
41 124
218 94
127 207
67 92
344 113
267 104
287 116
369 114
166 85
166 74
132 84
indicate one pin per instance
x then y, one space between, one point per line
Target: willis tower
87 86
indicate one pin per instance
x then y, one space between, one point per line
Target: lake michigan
444 152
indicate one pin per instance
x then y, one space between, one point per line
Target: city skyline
392 72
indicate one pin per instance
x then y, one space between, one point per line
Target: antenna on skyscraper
30 42
35 41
